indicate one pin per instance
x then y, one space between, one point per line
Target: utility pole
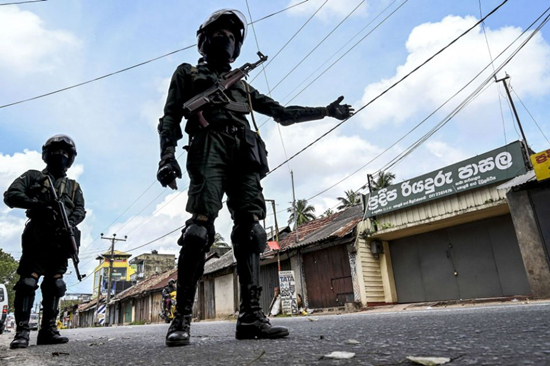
504 79
294 205
276 232
113 240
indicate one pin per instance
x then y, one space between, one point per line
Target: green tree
8 266
352 198
383 180
304 212
328 212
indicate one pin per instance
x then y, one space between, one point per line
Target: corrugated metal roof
337 225
150 284
519 180
223 262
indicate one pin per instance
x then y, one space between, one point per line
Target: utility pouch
77 235
258 152
255 152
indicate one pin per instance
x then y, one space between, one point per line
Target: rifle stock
73 248
215 94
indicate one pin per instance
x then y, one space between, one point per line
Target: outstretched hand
340 111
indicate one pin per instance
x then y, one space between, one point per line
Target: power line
471 97
431 114
24 2
392 86
341 48
491 58
96 79
294 36
280 11
119 71
319 44
533 118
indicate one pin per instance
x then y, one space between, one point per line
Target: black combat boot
252 322
190 269
22 334
24 298
48 333
179 331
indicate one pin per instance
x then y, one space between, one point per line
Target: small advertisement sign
288 292
541 165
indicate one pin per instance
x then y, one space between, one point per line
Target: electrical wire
471 97
497 86
533 118
392 86
432 113
334 63
318 45
294 36
24 2
119 71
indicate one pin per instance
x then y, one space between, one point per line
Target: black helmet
234 20
172 282
59 141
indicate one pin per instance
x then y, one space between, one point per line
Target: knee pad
27 285
249 237
53 286
197 236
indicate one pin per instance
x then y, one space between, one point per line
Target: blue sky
54 44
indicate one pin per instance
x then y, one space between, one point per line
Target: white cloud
152 110
12 167
434 83
446 154
27 46
332 9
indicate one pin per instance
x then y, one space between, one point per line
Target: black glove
169 170
339 111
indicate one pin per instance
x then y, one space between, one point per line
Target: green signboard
494 166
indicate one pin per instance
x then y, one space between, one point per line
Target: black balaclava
58 162
219 50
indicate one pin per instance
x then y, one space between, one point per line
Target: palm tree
384 179
304 213
328 212
352 198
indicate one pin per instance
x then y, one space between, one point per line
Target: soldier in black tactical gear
223 158
44 252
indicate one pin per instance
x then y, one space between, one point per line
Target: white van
3 307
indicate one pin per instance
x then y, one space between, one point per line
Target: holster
255 153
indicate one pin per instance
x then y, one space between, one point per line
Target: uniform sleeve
78 213
17 195
170 124
284 115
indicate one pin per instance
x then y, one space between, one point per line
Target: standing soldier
224 156
44 250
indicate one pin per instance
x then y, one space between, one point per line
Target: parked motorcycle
168 310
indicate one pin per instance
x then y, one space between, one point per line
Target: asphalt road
506 334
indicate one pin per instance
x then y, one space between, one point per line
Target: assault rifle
215 94
73 248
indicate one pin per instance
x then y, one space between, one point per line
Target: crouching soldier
44 239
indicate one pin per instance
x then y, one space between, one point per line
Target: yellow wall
117 263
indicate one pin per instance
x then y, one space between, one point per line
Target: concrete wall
530 243
225 295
